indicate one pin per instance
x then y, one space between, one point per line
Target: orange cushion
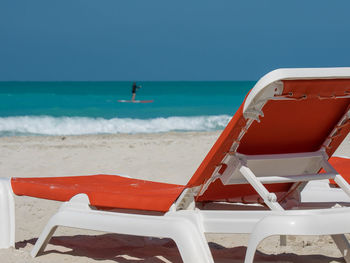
103 190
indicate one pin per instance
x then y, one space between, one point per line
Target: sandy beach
165 157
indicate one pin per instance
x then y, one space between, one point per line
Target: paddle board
136 101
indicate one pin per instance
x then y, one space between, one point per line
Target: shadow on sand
128 249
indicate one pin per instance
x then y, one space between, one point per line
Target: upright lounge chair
289 125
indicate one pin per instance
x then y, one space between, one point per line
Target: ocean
75 108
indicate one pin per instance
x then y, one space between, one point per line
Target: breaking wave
47 125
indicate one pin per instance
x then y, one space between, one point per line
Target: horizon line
127 81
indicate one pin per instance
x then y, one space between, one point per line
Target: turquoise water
63 108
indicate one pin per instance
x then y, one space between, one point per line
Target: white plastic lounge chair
289 125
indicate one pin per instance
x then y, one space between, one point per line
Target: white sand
171 157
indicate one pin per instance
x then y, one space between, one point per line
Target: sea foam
47 125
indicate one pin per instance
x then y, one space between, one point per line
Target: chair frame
187 227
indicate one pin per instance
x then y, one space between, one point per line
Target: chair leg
7 214
283 240
343 245
190 240
253 243
332 222
183 230
44 239
269 226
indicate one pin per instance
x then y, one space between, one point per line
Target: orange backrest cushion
288 126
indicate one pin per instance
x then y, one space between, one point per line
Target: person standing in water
134 89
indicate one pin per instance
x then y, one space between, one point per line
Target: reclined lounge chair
281 137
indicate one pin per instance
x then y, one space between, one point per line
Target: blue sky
50 40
